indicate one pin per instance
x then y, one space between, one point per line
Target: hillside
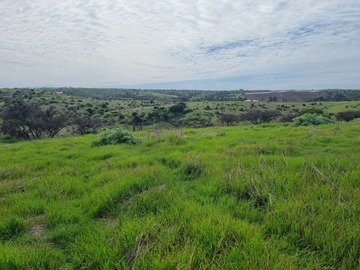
247 197
160 108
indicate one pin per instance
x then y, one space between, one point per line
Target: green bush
311 119
116 136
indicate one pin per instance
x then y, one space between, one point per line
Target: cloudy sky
193 44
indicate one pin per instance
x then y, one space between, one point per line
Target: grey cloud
137 42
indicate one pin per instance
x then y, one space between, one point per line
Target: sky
183 44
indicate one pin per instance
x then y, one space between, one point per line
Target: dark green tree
137 121
178 108
258 116
347 115
229 119
84 125
28 121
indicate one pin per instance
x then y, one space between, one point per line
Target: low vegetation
38 113
266 196
117 136
311 119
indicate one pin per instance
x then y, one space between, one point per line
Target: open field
246 197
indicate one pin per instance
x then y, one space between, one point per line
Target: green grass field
244 197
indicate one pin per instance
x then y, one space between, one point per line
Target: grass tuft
12 228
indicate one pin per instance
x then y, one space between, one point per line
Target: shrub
311 119
347 115
312 110
116 136
259 117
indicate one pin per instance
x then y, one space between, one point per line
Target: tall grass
264 197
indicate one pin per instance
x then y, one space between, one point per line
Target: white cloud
132 43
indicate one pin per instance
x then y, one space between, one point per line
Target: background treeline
37 113
161 95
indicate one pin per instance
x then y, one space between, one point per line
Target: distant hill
284 96
303 96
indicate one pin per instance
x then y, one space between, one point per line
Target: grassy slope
250 197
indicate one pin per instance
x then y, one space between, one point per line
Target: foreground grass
251 197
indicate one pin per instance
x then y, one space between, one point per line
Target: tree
28 121
258 116
273 99
84 125
158 114
178 108
347 115
52 121
229 119
137 121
